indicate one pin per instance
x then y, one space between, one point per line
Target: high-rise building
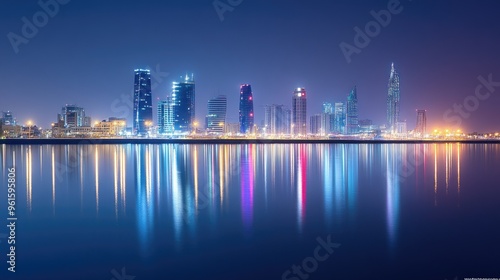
287 113
327 119
421 128
246 109
352 126
401 128
73 116
339 118
165 116
8 118
183 99
276 119
393 101
315 124
299 111
143 105
216 117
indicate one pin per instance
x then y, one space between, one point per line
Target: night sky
87 52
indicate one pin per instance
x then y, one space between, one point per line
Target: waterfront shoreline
121 141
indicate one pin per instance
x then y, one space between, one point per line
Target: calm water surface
424 211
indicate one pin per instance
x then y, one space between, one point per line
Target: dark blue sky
86 54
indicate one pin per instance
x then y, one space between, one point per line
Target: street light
30 123
148 125
195 126
221 125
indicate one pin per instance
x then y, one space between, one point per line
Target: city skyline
175 112
436 75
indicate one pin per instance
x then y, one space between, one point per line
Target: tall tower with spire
393 101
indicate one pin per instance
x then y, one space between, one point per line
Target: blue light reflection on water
185 203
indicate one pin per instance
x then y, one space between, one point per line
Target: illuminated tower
393 97
299 111
352 112
183 100
165 116
216 118
246 109
339 118
143 106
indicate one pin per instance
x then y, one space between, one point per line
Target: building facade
143 105
315 124
277 119
183 101
246 109
165 116
74 116
299 111
327 119
393 101
8 118
421 128
216 117
339 118
352 125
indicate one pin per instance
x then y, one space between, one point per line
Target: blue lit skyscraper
165 116
393 97
352 112
340 114
246 109
8 119
143 105
183 98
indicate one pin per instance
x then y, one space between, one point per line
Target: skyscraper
393 99
276 119
315 124
183 99
340 115
8 119
299 111
421 128
143 105
246 109
216 117
287 114
352 112
165 116
327 119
